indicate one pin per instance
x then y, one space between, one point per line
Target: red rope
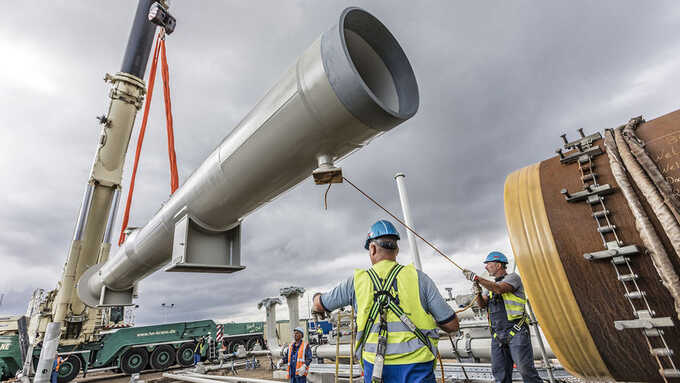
174 179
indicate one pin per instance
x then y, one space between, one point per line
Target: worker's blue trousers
402 373
298 379
53 377
197 358
505 350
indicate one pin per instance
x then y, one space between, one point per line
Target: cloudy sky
499 82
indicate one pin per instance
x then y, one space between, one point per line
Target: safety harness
384 300
516 327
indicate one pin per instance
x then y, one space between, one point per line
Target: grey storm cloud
499 82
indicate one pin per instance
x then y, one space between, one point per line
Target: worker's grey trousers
505 350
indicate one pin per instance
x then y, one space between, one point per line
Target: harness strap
515 328
384 297
378 301
411 326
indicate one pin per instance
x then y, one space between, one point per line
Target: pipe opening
380 62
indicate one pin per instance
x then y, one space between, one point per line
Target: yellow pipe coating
544 277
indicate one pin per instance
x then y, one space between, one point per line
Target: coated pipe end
383 91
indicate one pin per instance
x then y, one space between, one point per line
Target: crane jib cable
402 223
159 52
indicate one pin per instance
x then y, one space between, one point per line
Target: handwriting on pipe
665 151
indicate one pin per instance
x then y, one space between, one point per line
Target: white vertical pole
403 197
48 353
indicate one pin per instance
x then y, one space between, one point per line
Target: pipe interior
380 62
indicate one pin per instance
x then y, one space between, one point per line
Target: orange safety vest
59 363
300 358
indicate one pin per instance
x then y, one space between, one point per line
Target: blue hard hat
381 229
496 256
300 330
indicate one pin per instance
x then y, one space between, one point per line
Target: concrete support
406 209
48 353
292 295
273 342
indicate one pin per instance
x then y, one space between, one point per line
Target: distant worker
506 300
198 350
319 334
299 357
398 311
58 361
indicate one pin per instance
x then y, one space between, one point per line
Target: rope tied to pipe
406 226
402 223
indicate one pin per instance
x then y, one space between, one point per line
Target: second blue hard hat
380 229
496 256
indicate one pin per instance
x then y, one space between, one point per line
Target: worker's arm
340 296
308 355
450 326
495 287
436 305
317 306
509 283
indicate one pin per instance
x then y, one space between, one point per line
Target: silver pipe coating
351 85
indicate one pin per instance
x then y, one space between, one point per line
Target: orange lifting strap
174 179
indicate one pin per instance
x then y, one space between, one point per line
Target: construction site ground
262 372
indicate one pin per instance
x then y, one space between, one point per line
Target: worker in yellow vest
299 357
506 301
199 350
399 313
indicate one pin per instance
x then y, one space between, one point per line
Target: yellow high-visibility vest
514 305
403 347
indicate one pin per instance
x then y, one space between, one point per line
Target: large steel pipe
349 86
466 347
583 261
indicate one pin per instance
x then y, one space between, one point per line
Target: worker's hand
317 307
476 289
302 370
470 275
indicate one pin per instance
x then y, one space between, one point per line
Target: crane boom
92 234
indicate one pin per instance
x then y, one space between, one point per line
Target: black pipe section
140 41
